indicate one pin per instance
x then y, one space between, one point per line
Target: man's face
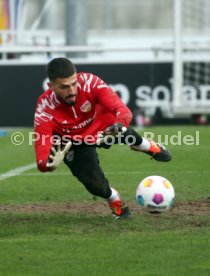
65 88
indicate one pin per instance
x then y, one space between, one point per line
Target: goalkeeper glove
115 129
112 130
57 155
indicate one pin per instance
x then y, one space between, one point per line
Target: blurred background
154 53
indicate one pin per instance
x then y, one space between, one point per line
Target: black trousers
84 164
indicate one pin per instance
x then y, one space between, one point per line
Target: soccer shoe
156 151
119 209
159 152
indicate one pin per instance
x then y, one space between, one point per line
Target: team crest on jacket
86 106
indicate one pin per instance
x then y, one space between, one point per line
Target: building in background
162 47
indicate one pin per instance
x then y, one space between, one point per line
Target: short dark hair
60 68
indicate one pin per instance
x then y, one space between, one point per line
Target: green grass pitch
50 225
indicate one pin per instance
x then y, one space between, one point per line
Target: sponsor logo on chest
86 107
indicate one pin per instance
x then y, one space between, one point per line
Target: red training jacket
96 108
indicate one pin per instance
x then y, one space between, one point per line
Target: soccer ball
155 194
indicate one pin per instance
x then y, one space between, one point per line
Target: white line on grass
107 172
17 171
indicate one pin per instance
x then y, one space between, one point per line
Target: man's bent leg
138 143
84 164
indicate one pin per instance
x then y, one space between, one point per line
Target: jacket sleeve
108 98
43 130
43 134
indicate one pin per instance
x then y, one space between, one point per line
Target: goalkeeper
73 117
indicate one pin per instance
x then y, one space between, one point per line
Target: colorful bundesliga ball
155 194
